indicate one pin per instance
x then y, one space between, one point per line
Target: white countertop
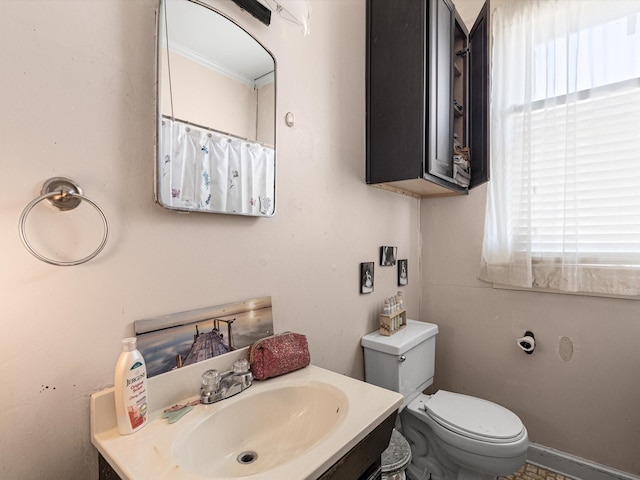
147 454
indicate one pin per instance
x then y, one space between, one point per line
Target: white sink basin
291 427
259 432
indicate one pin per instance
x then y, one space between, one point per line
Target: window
563 206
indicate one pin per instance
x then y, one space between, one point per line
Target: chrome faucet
215 386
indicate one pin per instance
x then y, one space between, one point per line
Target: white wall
206 97
587 406
78 100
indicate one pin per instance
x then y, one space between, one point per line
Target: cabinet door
395 90
440 85
479 88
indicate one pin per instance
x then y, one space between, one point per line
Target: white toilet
451 436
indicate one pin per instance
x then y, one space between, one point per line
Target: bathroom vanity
362 462
308 424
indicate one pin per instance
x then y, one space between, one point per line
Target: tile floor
533 472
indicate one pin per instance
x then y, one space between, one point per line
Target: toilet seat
474 417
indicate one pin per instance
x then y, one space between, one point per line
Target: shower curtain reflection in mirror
205 170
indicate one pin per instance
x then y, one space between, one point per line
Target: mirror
216 114
179 339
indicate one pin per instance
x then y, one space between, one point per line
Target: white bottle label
136 391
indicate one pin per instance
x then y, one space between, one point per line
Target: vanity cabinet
363 462
105 470
427 89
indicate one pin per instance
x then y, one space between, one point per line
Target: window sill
499 286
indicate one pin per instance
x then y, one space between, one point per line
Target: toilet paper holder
527 343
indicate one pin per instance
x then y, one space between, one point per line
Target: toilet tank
403 362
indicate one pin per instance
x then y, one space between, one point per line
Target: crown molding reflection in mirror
216 114
179 339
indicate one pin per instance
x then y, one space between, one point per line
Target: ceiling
211 39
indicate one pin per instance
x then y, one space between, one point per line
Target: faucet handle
241 366
241 372
210 381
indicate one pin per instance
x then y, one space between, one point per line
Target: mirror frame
158 115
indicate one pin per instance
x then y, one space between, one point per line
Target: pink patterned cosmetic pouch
278 354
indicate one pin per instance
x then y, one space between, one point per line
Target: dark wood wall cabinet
427 98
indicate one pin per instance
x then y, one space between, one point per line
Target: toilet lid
397 455
474 417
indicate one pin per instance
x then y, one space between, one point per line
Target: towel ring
64 194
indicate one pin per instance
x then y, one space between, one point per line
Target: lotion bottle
130 382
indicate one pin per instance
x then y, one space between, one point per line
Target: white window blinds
563 207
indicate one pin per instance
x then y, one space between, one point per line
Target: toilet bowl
451 436
454 436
